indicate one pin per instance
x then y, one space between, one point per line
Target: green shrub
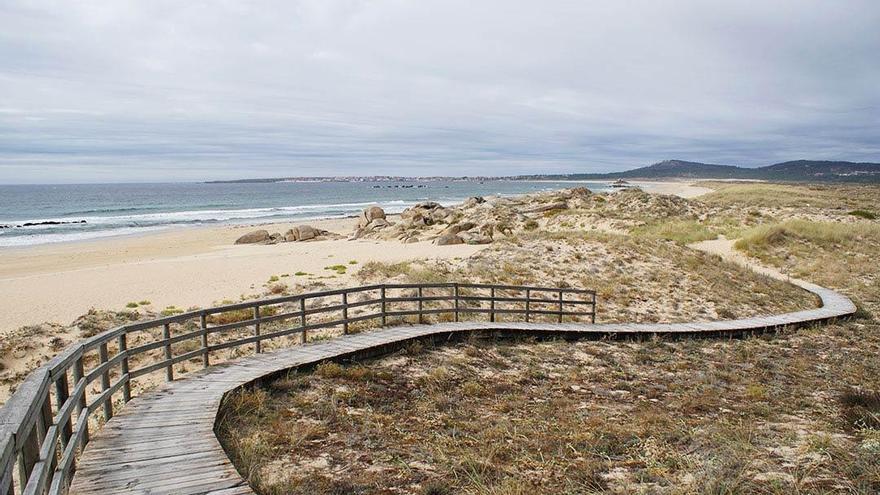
867 215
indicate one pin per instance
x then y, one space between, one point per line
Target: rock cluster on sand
477 220
483 220
299 233
370 220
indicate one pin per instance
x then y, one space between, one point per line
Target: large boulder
302 233
370 214
448 240
457 227
255 237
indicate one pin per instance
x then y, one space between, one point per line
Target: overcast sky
168 90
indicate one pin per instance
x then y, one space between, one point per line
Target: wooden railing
45 424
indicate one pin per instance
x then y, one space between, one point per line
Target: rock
416 219
440 214
458 227
302 233
426 205
474 238
358 233
255 237
369 214
561 205
474 201
379 223
448 240
410 240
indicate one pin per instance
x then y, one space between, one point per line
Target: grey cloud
164 90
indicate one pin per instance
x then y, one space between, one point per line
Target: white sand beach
181 267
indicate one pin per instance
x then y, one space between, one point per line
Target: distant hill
795 171
798 171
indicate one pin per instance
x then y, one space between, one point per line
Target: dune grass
774 195
823 234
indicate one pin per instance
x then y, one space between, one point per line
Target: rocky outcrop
255 237
299 233
369 215
372 219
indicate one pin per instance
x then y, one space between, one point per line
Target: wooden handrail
37 425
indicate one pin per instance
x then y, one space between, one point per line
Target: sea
41 214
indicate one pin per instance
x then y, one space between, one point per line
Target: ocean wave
51 238
200 216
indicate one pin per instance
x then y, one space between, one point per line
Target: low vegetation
773 415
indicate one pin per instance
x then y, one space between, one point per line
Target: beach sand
193 266
181 267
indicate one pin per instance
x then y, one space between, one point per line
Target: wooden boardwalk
163 442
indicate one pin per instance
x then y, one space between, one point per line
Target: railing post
382 297
123 347
7 478
455 291
593 316
345 313
47 418
492 304
166 336
203 320
421 316
258 344
62 394
302 317
105 382
528 303
560 306
78 374
30 454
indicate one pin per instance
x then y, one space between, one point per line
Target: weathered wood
492 304
62 394
302 309
560 306
345 313
455 295
203 322
258 345
78 369
123 347
528 304
384 310
166 339
105 381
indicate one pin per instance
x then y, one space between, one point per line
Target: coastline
193 266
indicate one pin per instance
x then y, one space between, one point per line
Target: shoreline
684 188
186 266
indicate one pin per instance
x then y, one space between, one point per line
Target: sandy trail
724 247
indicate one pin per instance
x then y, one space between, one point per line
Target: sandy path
724 247
185 267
